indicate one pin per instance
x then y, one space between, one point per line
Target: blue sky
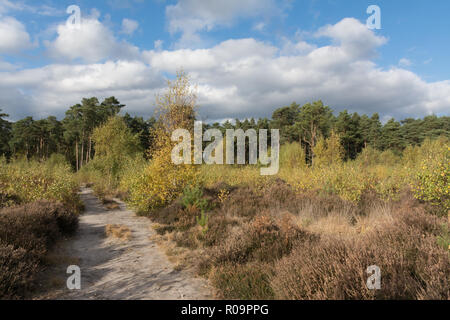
247 57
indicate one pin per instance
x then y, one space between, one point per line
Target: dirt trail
133 269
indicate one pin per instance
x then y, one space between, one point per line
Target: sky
246 57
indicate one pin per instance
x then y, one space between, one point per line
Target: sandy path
134 269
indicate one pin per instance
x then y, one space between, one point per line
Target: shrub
328 151
17 271
193 196
369 157
413 266
263 239
161 181
115 145
26 234
292 155
218 227
246 282
433 180
28 181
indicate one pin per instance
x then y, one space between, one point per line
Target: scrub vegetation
350 193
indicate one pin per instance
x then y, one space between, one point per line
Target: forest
72 136
351 193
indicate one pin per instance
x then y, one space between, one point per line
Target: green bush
292 155
433 181
193 196
23 181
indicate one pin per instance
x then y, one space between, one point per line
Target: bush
328 151
413 266
193 196
26 234
433 180
292 155
28 181
17 271
263 239
245 282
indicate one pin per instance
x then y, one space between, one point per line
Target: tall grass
23 181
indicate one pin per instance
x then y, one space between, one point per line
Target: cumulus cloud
92 42
129 26
6 66
14 36
353 38
246 77
192 16
235 78
58 86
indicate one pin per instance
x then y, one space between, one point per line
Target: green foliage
114 144
369 157
5 134
349 128
292 155
328 151
28 181
443 239
202 221
162 181
193 196
388 158
79 124
313 121
284 119
433 180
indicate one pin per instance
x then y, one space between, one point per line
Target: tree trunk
76 154
82 154
90 148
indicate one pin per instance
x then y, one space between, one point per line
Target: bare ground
115 269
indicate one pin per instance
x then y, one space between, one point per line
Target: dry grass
272 242
413 266
120 232
110 204
27 233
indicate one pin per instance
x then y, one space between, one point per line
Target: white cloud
192 16
404 62
44 10
236 78
260 26
6 6
246 77
14 36
59 86
6 66
92 42
129 26
158 44
354 39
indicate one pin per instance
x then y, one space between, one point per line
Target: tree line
72 136
308 123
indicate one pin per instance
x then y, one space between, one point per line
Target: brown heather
273 243
26 234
